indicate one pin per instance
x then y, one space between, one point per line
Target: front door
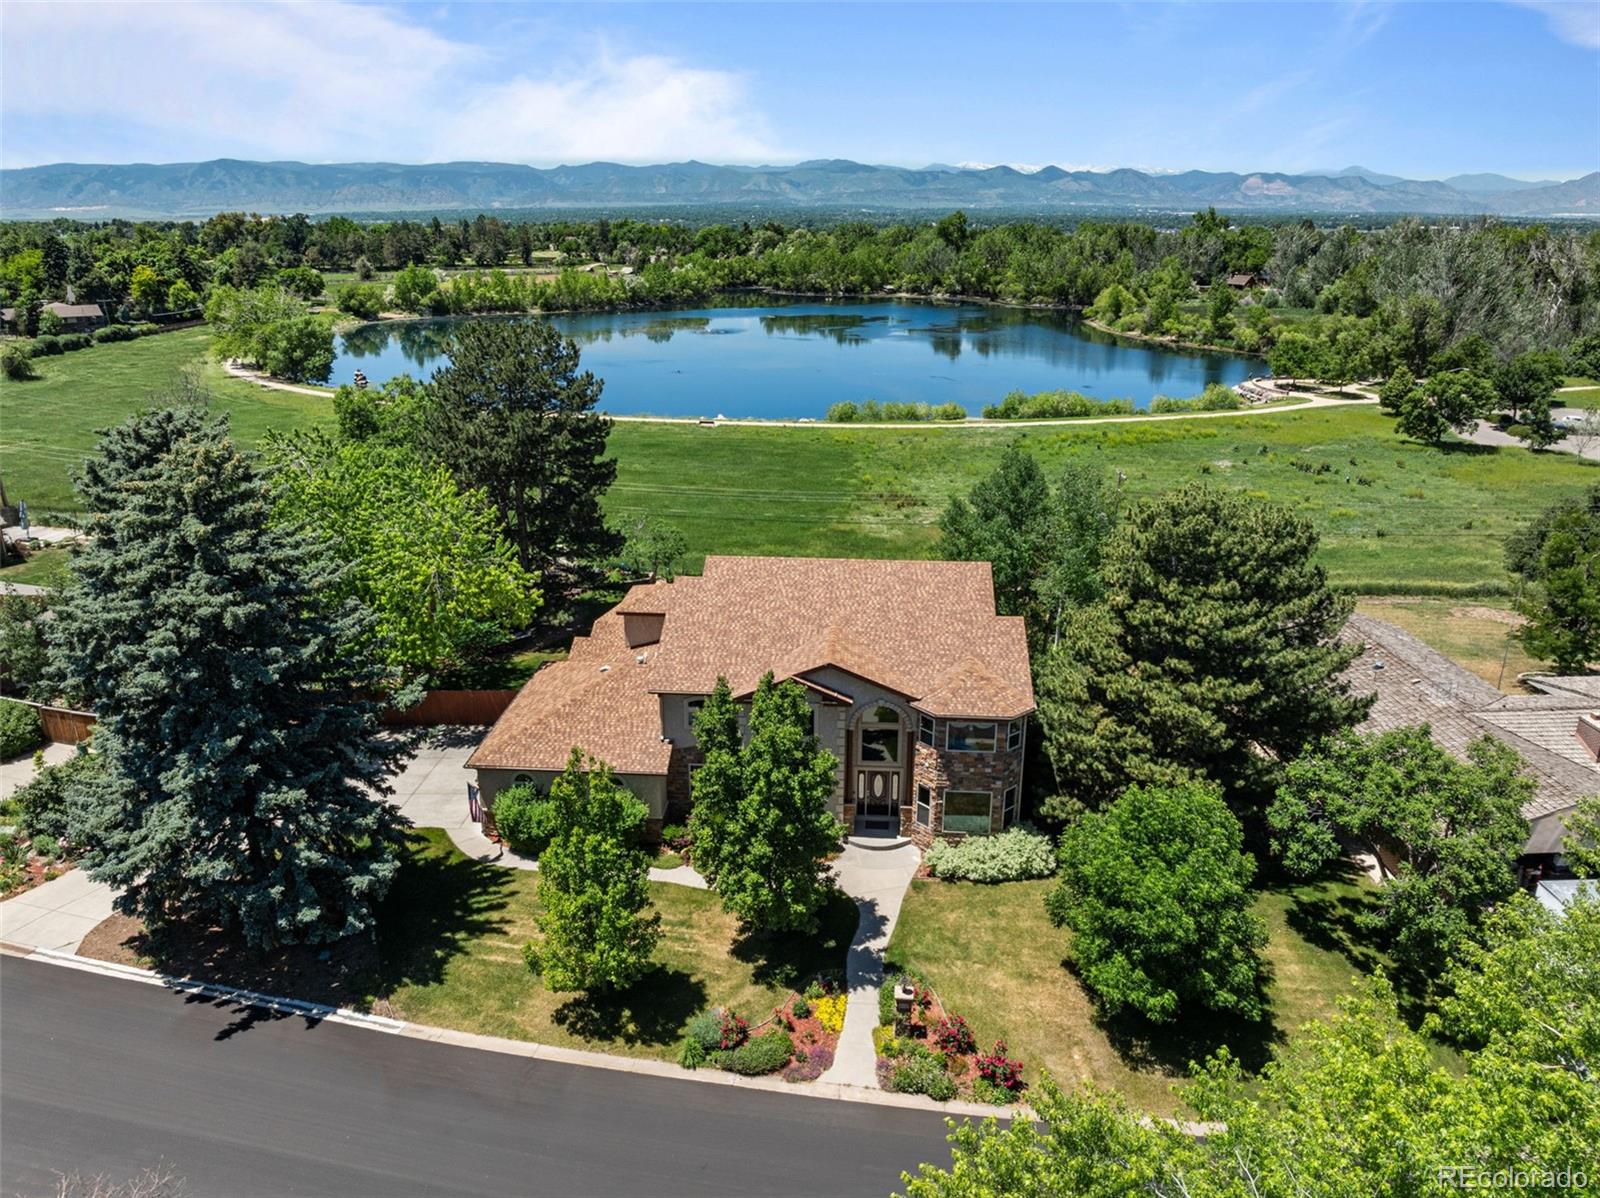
880 768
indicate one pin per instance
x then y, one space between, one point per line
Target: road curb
825 1091
252 998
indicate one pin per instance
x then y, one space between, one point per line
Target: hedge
21 729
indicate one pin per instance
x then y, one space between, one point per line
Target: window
1014 733
522 780
967 737
967 811
924 806
925 730
1008 807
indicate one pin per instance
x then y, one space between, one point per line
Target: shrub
1055 405
115 332
364 300
767 1053
719 1029
21 730
1000 1070
15 366
809 1066
692 1054
50 323
953 1037
676 837
46 345
922 1073
845 412
830 1012
526 819
984 1090
42 803
1012 856
801 1008
71 342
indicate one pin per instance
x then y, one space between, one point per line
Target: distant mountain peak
198 189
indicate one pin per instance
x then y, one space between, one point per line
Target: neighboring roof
1415 684
1586 685
924 629
1241 280
75 311
598 699
1556 895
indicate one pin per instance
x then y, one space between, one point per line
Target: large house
1556 730
916 686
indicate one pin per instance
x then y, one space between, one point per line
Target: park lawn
1578 398
1395 517
1480 635
992 955
48 426
450 954
44 568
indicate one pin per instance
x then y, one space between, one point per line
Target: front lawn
992 955
450 953
44 568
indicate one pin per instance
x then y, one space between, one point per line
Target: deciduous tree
1557 554
761 825
594 896
1455 826
1155 889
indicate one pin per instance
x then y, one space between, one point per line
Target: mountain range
202 188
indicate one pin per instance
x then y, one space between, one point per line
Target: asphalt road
99 1075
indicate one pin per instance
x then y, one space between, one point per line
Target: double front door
880 768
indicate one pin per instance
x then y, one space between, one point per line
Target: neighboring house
919 690
1557 894
79 318
1557 731
1243 282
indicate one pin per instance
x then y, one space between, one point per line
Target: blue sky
1418 89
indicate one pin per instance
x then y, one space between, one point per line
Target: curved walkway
877 880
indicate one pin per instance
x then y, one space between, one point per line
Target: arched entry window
880 737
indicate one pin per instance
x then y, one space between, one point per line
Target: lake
759 357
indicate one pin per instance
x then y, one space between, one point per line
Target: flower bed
932 1051
25 863
799 1038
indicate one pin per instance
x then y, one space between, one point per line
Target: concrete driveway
432 789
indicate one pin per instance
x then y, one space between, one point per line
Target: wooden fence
454 707
62 723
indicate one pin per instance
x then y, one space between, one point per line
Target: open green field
1395 517
993 956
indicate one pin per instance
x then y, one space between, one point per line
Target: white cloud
1573 21
344 81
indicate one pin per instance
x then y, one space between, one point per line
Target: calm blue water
787 360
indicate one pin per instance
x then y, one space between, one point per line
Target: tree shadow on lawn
1338 924
440 903
653 1011
1193 1036
791 959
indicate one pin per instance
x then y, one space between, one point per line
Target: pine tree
765 835
513 415
593 885
1214 653
244 767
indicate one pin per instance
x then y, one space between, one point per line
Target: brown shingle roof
1418 685
598 699
926 630
907 625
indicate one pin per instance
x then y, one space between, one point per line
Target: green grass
450 954
993 956
48 426
1425 520
44 568
1578 398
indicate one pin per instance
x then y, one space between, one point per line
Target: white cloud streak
343 81
1576 22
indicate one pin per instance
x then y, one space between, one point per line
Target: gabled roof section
907 626
598 700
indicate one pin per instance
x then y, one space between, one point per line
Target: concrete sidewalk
877 879
57 914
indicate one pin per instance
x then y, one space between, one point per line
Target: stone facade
941 769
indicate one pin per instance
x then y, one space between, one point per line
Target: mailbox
904 995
